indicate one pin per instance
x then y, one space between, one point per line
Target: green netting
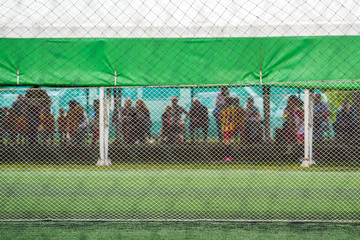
289 61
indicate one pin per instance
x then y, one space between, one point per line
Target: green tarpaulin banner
280 61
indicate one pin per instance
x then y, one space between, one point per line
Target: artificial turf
143 193
177 230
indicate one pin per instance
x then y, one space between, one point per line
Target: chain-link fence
255 115
233 153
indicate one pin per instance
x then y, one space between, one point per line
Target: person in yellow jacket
227 118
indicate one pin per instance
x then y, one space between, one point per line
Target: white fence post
308 124
104 116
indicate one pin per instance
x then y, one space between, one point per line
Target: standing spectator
19 105
36 99
177 124
62 125
198 119
47 121
289 123
116 119
321 117
142 121
95 127
239 120
23 126
227 118
3 114
299 126
118 122
73 119
127 121
166 123
252 122
11 122
344 127
84 123
219 106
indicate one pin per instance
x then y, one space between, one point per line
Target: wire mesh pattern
232 153
255 115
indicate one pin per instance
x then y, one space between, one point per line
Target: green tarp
283 61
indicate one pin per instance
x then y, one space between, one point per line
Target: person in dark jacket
128 121
36 100
219 106
199 119
142 122
344 127
19 105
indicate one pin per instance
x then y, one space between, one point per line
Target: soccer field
178 230
136 193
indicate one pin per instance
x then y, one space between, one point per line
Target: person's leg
61 136
46 137
300 147
11 137
95 138
196 133
19 137
126 132
135 133
218 128
183 131
341 133
336 130
14 137
251 131
228 148
317 130
191 129
143 133
83 137
26 134
205 130
72 137
172 133
242 136
246 132
178 132
33 127
2 134
323 129
148 130
349 133
51 137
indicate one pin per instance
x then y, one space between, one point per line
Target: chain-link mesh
255 115
178 153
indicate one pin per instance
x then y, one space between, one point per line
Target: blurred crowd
30 120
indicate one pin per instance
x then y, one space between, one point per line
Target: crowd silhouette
29 120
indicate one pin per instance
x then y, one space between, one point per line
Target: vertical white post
308 124
104 117
107 104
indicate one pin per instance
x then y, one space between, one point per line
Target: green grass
177 230
178 192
